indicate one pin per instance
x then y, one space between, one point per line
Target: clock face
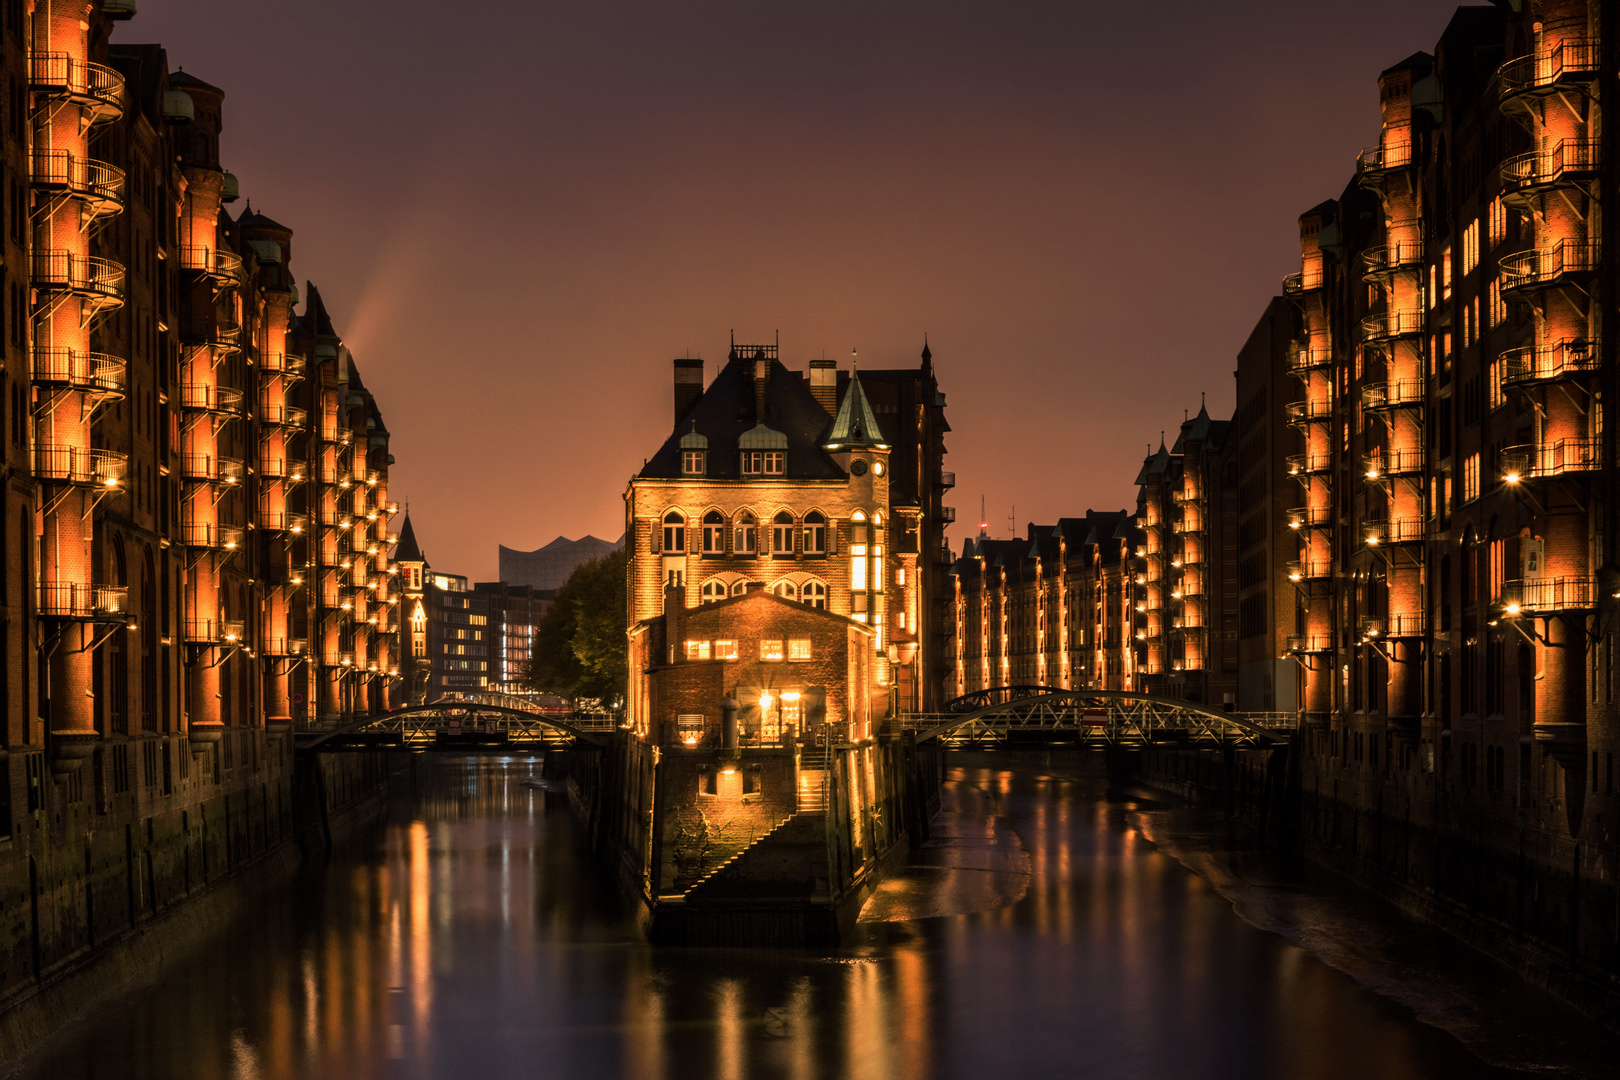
857 467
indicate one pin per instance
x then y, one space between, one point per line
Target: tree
579 649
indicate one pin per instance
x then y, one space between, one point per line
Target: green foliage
579 649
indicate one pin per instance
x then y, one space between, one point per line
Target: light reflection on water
473 938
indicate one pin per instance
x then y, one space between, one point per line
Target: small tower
415 665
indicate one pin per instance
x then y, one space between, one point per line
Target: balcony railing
209 535
1309 643
1308 464
1576 60
1547 267
96 88
1310 517
213 632
1403 462
1303 358
79 465
1386 259
331 433
947 514
1548 594
98 281
1380 159
1569 159
1302 282
99 184
1313 410
1187 495
285 646
94 372
1548 363
71 600
1310 569
283 364
208 469
225 267
1393 531
1556 458
286 416
282 521
203 397
947 479
334 516
1401 394
1391 324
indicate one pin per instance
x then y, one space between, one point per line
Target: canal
1041 933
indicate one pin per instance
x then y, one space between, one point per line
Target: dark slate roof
255 220
408 551
182 78
1418 61
315 308
725 411
855 426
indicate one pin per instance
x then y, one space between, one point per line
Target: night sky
520 212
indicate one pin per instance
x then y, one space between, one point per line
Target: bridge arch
459 724
1097 718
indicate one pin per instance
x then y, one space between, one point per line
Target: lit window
815 533
782 534
692 462
1470 478
747 537
899 575
814 594
857 567
799 649
674 532
764 462
770 650
786 590
713 590
714 533
725 650
697 650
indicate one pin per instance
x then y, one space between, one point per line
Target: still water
1040 935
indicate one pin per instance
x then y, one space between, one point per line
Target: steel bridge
1015 716
453 724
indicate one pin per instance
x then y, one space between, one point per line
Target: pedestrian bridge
1018 716
482 721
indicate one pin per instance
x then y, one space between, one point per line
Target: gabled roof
252 219
725 412
183 78
408 551
855 425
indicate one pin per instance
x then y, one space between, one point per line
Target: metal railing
1545 266
1302 281
93 371
1310 569
1382 158
1309 643
95 181
79 465
282 521
207 468
1314 517
210 535
96 87
204 397
213 631
1545 167
1304 358
1391 324
1407 530
1388 259
74 600
1578 58
1308 464
1549 594
1309 411
283 363
285 646
221 265
1406 461
1535 363
1400 394
1532 462
94 278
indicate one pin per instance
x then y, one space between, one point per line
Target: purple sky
520 212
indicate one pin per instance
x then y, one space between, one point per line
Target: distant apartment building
514 613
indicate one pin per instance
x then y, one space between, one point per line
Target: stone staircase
787 863
739 853
813 779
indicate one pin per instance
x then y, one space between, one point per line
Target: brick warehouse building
195 506
793 481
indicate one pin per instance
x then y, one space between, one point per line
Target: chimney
762 376
824 384
688 385
674 621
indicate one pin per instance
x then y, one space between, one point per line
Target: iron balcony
1549 363
1310 569
210 536
1548 595
1393 531
1304 644
1553 459
1384 260
1298 284
1310 411
98 282
282 521
1388 325
1375 161
1564 66
203 397
81 465
213 632
95 88
97 184
223 267
285 646
1404 462
1303 359
283 363
1547 268
1569 162
93 372
209 469
1308 464
82 601
1400 394
1311 517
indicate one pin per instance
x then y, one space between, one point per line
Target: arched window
674 532
747 535
714 533
782 534
815 533
786 590
814 594
739 587
713 590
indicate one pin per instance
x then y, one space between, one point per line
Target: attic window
764 462
692 462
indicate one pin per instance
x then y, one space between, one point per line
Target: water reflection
471 937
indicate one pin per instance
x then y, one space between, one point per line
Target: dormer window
764 463
694 454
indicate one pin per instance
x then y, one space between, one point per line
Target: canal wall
1510 882
101 883
763 846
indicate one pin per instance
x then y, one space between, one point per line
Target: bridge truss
1007 717
465 725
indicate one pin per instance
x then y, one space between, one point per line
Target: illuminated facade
823 488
